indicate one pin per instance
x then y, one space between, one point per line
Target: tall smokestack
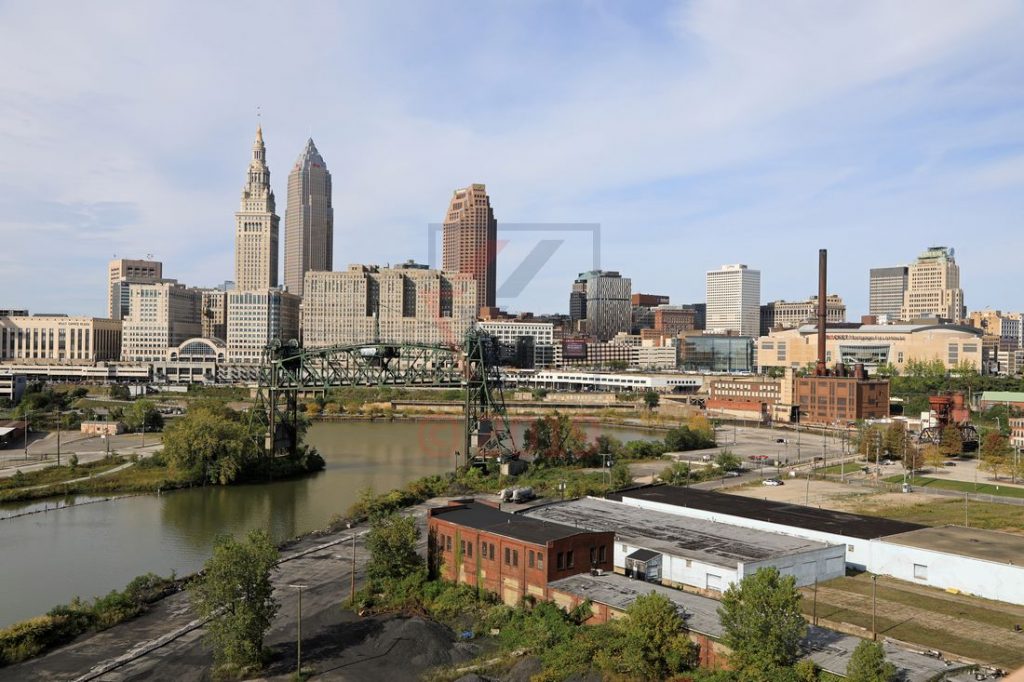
821 369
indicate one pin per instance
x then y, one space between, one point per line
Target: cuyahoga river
88 550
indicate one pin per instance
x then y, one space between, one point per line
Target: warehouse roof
783 513
713 543
988 545
831 650
618 592
484 517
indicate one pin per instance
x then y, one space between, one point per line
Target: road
42 452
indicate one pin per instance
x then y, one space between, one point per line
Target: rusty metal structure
289 372
950 409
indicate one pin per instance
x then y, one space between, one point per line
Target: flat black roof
486 518
644 555
796 515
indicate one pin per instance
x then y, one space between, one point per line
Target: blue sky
695 134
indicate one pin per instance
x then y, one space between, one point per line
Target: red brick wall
497 574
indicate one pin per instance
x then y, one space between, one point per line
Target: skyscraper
122 273
256 225
308 219
600 304
734 300
886 291
469 240
933 287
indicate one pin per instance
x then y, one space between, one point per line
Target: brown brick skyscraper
469 242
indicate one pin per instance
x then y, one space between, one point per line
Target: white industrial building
985 563
694 554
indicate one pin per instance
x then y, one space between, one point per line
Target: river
90 549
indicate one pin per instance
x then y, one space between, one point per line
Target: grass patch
909 630
962 486
148 475
987 515
840 469
985 611
56 474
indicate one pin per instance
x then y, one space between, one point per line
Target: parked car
780 440
771 482
732 474
505 494
949 464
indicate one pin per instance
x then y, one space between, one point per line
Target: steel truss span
288 371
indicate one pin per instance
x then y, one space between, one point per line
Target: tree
913 458
120 392
951 443
762 622
868 664
893 440
621 477
677 473
210 444
933 455
608 444
654 641
684 438
886 369
702 426
727 460
236 591
391 541
143 413
651 399
995 451
555 437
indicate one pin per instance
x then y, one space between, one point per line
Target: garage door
714 582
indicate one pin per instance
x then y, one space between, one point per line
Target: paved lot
42 452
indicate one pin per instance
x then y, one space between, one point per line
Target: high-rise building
643 309
256 318
886 291
790 314
734 300
214 308
256 225
600 305
933 287
367 303
308 219
469 240
163 314
122 273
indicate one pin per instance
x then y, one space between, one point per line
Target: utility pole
352 579
59 415
814 608
874 631
298 639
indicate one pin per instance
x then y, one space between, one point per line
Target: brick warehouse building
510 555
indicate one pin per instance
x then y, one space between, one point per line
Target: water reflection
90 549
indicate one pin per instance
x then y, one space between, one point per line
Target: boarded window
529 558
920 572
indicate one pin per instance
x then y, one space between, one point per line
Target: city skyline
778 153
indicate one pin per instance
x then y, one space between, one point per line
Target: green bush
63 623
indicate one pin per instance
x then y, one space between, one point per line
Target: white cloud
773 123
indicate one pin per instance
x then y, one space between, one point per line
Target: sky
692 134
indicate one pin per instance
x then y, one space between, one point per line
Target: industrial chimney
821 369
